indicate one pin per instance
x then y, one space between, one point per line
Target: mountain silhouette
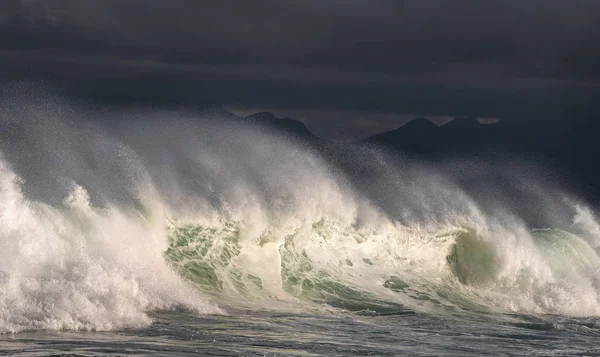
463 123
568 144
415 137
284 125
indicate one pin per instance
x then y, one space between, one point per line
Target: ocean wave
105 217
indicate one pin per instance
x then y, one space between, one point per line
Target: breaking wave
105 217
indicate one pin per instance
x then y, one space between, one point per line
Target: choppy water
256 333
170 234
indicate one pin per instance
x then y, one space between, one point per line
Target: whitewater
176 232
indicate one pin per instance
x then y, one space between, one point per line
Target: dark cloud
444 57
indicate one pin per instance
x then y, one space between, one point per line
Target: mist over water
107 216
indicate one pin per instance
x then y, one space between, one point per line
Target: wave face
105 217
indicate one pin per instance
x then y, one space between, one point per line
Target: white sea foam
106 217
78 267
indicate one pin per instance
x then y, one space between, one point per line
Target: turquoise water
335 314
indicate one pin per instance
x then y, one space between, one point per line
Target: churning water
175 232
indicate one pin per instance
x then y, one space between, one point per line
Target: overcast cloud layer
514 58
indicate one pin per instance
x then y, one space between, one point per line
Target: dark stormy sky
350 67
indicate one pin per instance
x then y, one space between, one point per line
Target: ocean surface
170 233
261 333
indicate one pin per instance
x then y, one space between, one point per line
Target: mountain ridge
564 143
